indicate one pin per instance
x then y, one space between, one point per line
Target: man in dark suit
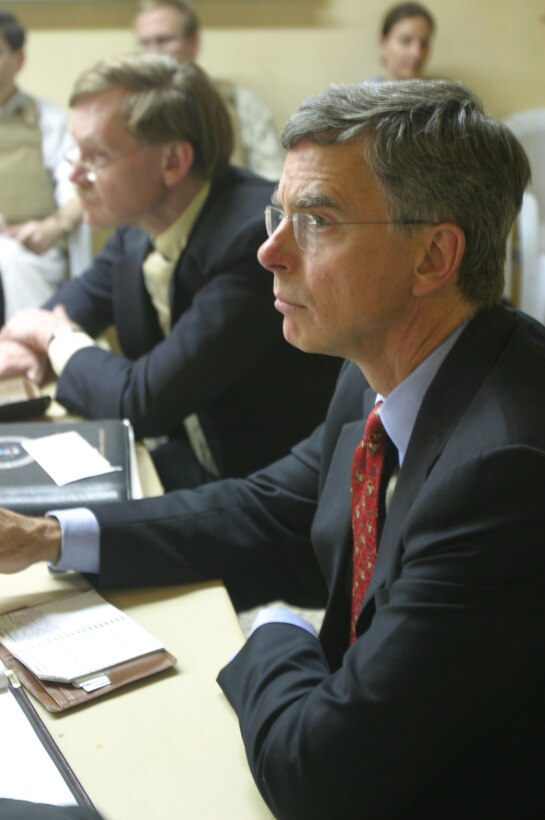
202 356
424 699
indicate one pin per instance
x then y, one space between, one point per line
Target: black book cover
65 770
26 488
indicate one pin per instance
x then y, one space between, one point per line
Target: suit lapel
445 402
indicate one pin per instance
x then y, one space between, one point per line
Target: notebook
77 647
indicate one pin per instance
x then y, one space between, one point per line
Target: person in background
404 42
202 358
39 212
172 26
416 509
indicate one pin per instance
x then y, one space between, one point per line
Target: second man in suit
202 359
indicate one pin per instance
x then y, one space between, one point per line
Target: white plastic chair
80 250
529 245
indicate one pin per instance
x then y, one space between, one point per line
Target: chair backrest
528 258
529 127
80 250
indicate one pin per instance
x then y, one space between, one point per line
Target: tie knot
374 433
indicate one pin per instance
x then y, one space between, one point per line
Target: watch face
13 453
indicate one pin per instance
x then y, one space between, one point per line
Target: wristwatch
63 331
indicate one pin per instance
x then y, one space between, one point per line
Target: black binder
78 792
26 488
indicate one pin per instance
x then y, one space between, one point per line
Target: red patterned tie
366 474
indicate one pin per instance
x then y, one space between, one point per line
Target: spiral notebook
77 647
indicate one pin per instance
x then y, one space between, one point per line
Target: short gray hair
437 158
167 100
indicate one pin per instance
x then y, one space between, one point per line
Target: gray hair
167 100
437 158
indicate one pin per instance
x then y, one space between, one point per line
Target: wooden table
168 747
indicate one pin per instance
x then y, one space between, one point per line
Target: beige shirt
27 190
169 245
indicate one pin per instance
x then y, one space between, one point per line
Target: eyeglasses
91 170
306 227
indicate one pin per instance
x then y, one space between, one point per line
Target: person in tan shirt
40 236
172 26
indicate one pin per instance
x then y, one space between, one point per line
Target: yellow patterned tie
157 275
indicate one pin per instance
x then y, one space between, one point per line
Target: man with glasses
202 357
422 697
173 27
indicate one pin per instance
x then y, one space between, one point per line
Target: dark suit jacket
437 710
225 356
23 810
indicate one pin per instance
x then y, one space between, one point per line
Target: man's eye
320 221
97 159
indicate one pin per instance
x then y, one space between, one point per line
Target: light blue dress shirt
80 549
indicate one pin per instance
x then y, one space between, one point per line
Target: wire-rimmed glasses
306 227
91 170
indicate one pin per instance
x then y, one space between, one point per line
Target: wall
287 49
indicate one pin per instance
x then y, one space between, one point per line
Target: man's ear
191 46
442 252
20 61
177 161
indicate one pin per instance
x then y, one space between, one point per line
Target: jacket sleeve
251 533
88 298
226 329
445 675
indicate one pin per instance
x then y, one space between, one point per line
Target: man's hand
25 541
33 327
37 235
19 360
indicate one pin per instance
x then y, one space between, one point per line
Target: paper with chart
74 637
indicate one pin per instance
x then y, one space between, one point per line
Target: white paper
93 683
26 770
67 457
74 637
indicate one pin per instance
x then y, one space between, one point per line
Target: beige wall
287 49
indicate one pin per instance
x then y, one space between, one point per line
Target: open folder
77 647
26 738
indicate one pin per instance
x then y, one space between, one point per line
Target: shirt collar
172 242
16 101
400 408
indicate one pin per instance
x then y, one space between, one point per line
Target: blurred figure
173 27
38 209
404 42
